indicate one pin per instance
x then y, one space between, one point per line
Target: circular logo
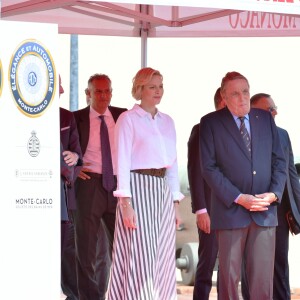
32 78
1 77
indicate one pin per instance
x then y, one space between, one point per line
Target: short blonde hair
142 78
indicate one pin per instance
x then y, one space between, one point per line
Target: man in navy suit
70 166
243 164
290 201
96 206
200 195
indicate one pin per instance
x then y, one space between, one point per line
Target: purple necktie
107 168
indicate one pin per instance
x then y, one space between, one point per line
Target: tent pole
74 73
144 48
144 36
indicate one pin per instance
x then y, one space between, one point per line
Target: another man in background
201 204
245 170
71 165
87 96
96 205
103 260
290 201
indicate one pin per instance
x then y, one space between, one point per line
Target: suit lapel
254 127
84 128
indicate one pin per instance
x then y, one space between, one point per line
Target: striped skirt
143 265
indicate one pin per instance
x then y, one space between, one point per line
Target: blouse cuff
177 196
122 193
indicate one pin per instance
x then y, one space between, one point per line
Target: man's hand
70 158
271 197
203 222
255 203
83 171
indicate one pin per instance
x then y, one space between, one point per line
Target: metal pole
74 73
144 37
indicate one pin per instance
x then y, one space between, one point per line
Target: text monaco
256 20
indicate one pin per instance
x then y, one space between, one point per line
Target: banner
279 6
30 173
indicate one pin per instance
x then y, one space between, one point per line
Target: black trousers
94 226
68 262
281 282
68 266
207 256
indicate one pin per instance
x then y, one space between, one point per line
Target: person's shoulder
196 127
64 110
212 115
282 130
260 112
283 133
64 113
117 109
163 114
167 118
82 110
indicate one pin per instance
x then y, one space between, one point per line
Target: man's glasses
273 108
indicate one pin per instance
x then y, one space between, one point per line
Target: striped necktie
245 134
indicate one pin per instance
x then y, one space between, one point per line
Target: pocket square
65 128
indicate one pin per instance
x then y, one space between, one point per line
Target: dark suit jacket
70 141
199 189
82 118
229 171
292 183
66 173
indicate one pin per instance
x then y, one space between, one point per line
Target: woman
148 192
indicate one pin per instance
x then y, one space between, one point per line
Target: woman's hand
177 215
128 213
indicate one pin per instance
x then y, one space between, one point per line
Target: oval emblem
32 78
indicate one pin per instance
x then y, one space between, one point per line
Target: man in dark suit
243 164
290 201
96 205
200 195
70 166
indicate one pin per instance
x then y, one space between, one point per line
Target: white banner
279 6
30 173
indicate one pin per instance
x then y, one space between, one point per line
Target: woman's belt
152 172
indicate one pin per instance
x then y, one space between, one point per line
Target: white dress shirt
143 142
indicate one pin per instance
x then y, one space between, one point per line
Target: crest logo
33 145
32 78
1 77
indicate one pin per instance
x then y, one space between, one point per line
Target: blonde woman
148 192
